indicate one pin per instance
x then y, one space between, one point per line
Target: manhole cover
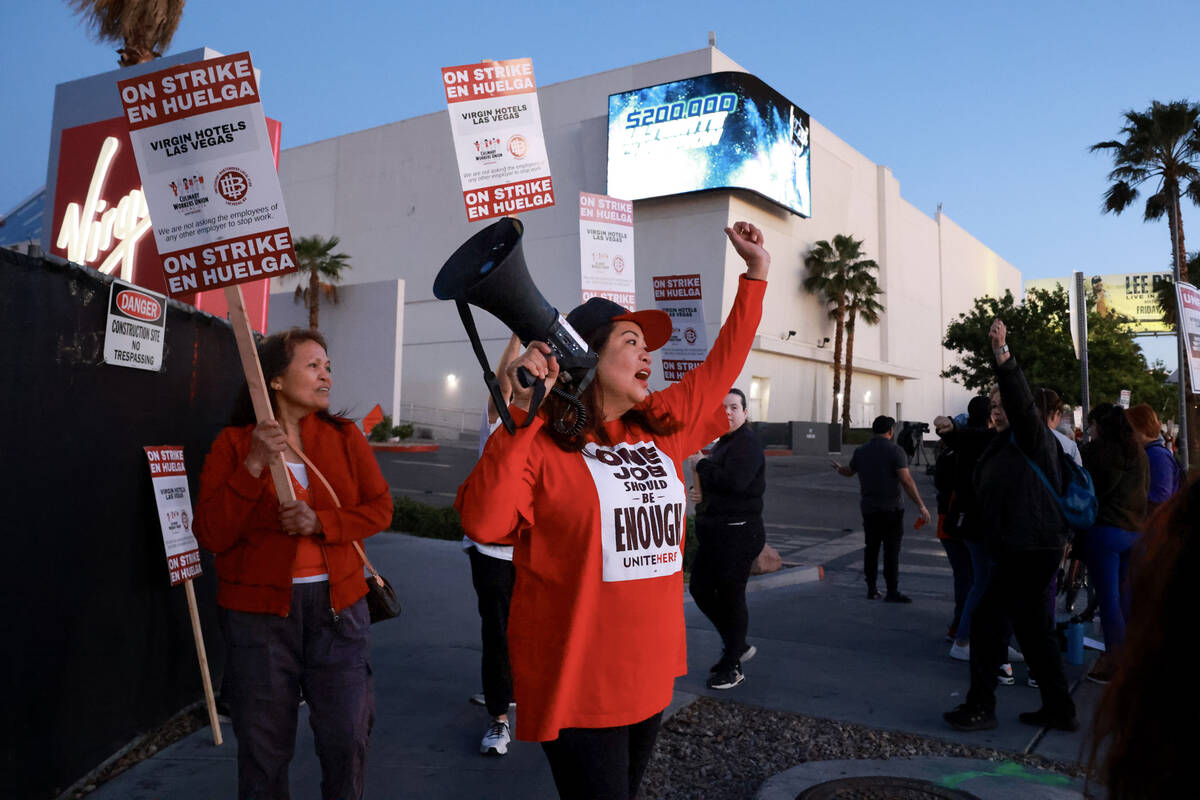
882 788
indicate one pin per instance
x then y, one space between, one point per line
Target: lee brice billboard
727 130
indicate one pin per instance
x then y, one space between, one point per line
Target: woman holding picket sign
1026 529
290 583
596 630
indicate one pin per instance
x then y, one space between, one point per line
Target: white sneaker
961 652
1004 675
1015 656
495 741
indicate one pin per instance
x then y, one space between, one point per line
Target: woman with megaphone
596 514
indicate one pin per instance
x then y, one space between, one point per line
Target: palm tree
316 259
1161 145
1165 293
144 27
830 267
864 288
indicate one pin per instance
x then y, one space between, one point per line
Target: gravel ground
713 750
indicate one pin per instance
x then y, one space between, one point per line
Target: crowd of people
579 591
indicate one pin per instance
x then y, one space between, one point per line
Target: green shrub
382 430
404 431
421 519
858 436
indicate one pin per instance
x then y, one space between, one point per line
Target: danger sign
137 325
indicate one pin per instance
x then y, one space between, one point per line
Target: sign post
169 478
208 173
1080 333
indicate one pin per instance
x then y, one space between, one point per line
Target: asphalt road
810 512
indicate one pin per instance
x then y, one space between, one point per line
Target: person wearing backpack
1121 473
1023 522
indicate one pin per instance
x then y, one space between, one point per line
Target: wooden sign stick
254 379
205 678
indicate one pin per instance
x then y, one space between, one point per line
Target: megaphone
488 271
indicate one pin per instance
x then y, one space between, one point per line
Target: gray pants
271 659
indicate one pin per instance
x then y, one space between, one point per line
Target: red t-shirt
596 630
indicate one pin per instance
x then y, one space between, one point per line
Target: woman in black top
729 527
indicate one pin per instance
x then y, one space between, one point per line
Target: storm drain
882 788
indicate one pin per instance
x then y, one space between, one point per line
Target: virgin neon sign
90 229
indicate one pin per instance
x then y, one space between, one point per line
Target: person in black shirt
729 526
882 470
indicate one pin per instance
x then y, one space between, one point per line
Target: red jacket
237 517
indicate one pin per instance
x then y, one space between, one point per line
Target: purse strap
312 470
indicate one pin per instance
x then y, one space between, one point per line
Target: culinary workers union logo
232 184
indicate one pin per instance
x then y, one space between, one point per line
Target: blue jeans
960 562
1106 554
981 569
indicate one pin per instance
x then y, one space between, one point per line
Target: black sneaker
873 594
726 679
970 718
896 597
1048 719
746 655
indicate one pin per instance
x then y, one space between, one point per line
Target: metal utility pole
1181 441
1080 321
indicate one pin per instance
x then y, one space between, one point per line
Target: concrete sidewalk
824 651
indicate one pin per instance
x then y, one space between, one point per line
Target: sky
988 109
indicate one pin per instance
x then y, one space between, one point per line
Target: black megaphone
489 271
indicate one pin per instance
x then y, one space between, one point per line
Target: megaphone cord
580 413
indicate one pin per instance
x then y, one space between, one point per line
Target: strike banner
137 324
169 478
606 248
680 296
1189 319
208 173
498 140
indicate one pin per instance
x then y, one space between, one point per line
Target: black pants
602 763
886 528
727 550
1017 594
270 660
493 580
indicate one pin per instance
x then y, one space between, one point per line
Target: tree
861 304
1162 146
316 259
1039 333
830 269
1166 297
144 27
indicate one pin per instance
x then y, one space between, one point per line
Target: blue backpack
1078 502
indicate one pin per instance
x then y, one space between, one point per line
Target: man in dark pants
882 470
1027 531
729 526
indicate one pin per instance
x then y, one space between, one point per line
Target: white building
392 195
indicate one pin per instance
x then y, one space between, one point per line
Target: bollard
1075 643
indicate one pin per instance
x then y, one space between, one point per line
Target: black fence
98 645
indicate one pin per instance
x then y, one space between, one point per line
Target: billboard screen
726 130
1132 295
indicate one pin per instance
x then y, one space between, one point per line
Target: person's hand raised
943 424
747 240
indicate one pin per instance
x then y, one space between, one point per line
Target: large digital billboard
726 130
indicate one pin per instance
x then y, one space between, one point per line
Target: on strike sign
680 296
169 477
208 173
606 249
497 129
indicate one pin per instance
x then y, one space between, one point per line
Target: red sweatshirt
596 631
237 517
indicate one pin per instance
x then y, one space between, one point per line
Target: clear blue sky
986 108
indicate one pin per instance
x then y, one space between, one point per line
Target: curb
385 447
792 575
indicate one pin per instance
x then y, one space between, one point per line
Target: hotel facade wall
392 194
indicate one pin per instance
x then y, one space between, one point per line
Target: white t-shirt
500 551
1069 447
